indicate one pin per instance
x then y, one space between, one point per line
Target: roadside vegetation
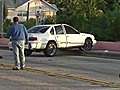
99 17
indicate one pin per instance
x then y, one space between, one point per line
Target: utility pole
28 10
1 17
39 14
37 18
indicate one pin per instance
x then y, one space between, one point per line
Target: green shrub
107 26
50 20
31 22
7 23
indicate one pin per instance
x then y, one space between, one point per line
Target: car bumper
30 45
94 42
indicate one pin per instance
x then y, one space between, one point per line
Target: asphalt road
62 72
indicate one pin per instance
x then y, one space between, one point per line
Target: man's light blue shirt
17 32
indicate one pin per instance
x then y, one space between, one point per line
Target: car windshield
39 29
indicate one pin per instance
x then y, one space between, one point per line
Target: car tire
28 52
50 49
87 45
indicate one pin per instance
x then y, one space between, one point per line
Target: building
34 7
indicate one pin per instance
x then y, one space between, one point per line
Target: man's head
15 19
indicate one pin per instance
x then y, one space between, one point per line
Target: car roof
50 25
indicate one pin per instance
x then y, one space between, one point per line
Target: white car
49 38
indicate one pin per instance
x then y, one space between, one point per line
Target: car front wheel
87 45
50 49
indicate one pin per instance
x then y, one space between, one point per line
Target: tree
5 9
99 17
87 8
94 8
68 7
7 22
113 5
5 13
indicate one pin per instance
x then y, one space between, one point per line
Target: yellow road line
100 82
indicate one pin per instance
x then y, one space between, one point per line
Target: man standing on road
19 36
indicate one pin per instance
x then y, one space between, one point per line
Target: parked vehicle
49 38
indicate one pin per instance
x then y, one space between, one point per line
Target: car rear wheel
50 49
87 45
28 52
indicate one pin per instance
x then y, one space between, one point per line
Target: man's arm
26 33
9 32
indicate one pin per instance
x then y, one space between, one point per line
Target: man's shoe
15 68
22 68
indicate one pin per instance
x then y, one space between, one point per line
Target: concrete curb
95 53
4 47
103 53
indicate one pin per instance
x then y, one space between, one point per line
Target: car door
73 36
60 36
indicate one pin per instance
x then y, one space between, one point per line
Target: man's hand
26 42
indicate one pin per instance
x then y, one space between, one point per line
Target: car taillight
32 38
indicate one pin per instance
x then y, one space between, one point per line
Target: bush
7 24
50 20
31 22
107 26
28 24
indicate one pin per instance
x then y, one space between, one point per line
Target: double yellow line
99 82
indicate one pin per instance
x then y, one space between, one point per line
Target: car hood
87 35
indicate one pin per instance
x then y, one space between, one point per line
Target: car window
59 30
70 30
52 31
40 29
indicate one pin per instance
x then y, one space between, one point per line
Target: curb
4 47
103 53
